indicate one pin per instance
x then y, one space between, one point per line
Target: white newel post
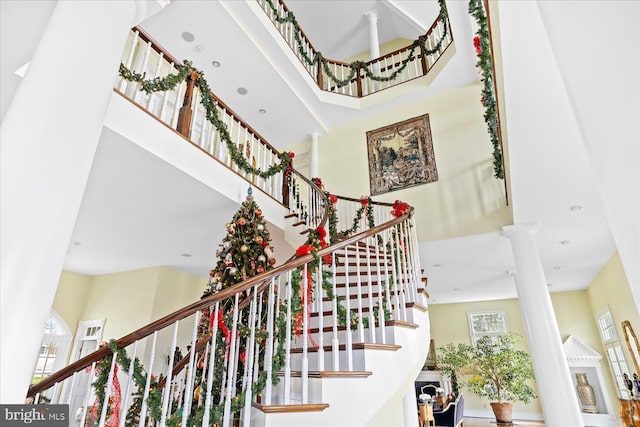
313 158
555 388
48 140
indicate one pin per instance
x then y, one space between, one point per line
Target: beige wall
129 300
610 290
465 200
70 298
385 48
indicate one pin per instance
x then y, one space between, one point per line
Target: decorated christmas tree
245 251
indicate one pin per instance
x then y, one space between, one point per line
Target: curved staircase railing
181 108
269 335
362 78
259 343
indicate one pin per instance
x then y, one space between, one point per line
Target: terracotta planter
503 411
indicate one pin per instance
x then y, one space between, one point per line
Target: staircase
330 338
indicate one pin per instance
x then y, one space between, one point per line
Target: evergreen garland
360 65
186 70
483 51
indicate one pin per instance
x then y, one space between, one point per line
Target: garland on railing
488 100
360 65
207 100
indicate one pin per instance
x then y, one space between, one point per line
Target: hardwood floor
486 422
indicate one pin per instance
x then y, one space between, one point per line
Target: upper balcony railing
360 78
181 108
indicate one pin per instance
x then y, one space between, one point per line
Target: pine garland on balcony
171 81
488 100
354 66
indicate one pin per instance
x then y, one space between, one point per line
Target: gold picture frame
401 155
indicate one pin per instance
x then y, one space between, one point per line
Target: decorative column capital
315 134
510 231
372 16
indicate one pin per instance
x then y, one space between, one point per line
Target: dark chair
451 415
428 387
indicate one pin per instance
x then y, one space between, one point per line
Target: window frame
476 335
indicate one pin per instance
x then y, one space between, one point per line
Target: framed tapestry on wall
401 155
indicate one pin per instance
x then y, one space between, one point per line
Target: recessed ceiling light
564 242
559 267
262 111
186 255
456 289
242 91
575 208
549 285
188 37
199 48
436 265
216 64
77 243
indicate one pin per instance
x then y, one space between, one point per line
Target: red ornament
272 261
476 44
364 201
260 269
259 212
212 273
242 221
291 155
304 250
333 199
321 232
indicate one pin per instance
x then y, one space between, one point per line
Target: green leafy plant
493 368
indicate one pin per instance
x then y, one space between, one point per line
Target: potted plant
493 368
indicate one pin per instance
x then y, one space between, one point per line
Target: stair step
400 323
330 374
364 293
355 346
366 309
277 409
295 224
363 273
291 215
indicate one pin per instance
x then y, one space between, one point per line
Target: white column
555 387
410 407
313 157
374 43
49 138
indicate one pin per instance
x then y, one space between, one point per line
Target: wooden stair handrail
200 305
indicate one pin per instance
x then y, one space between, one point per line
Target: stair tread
365 294
400 323
366 309
307 407
330 374
355 346
291 215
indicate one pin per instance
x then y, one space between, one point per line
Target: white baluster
167 387
248 365
191 371
319 309
87 395
287 363
165 97
394 277
107 392
268 353
156 75
127 390
359 294
124 83
347 300
372 320
143 69
212 365
381 307
305 335
147 386
226 419
335 342
179 100
400 288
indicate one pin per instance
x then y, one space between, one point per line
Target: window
491 323
613 350
54 347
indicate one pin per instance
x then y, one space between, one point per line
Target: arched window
54 348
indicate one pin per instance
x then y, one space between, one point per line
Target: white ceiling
550 170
